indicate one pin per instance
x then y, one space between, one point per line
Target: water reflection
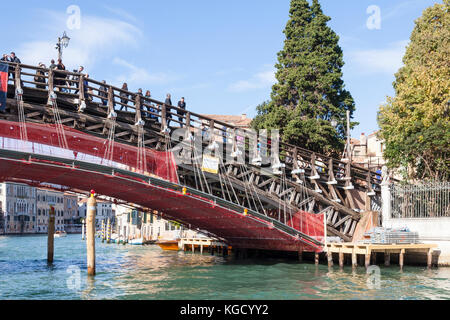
135 272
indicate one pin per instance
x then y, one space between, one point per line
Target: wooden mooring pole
83 230
51 234
341 259
90 233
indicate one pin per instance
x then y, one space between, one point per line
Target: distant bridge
268 201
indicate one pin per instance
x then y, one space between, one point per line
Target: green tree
309 91
415 124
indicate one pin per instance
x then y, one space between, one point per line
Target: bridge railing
78 86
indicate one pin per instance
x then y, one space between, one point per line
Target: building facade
368 151
18 208
46 198
71 215
104 211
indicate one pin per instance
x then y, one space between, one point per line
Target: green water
136 272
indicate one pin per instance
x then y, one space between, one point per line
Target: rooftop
236 120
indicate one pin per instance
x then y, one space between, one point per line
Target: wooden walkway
203 243
366 250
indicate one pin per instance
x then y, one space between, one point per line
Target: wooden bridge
300 182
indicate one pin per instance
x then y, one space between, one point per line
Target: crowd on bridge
65 82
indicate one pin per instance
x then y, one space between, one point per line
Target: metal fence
427 200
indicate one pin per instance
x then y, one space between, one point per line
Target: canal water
147 272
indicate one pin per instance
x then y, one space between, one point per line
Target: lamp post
63 42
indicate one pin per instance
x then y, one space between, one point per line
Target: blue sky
219 55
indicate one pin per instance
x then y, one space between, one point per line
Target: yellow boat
168 244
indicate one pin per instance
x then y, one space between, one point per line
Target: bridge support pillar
201 249
354 260
90 234
401 258
51 234
367 260
330 258
387 259
316 258
300 256
341 259
429 258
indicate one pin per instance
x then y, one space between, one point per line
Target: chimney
244 116
363 139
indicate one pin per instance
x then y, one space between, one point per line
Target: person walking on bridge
13 59
103 92
168 103
76 78
39 77
181 105
150 108
60 77
124 97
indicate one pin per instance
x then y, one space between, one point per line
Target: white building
150 226
104 211
18 204
368 151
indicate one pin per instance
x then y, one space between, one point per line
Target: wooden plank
96 126
337 224
347 225
121 134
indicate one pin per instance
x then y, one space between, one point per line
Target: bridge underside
238 230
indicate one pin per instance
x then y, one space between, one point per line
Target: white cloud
386 60
121 13
138 76
97 38
261 80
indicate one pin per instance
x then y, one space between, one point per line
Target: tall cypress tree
310 90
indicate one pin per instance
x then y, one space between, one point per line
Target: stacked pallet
390 236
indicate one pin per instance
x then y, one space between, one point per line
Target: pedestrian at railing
181 105
168 103
52 64
124 97
14 59
149 106
60 77
76 78
40 76
87 91
103 92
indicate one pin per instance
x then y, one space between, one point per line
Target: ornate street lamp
334 122
63 42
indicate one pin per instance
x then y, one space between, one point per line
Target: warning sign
210 164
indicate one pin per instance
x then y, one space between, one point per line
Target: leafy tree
415 124
310 90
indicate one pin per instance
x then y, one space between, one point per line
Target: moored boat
138 241
171 245
60 234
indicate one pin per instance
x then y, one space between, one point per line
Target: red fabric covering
161 164
239 230
308 223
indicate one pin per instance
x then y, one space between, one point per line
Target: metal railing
426 200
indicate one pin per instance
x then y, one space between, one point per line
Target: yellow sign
210 164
